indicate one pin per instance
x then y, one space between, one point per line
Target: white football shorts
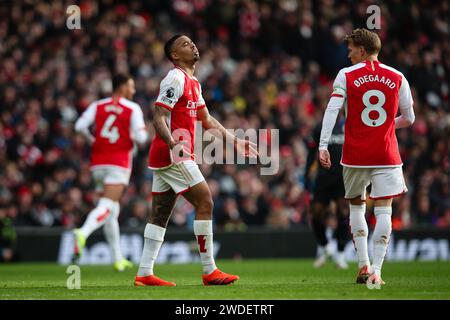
110 175
386 182
178 177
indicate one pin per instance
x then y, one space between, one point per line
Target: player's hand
324 158
179 151
246 148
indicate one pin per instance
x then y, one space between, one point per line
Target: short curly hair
119 79
364 38
169 44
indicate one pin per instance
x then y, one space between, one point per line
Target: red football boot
217 278
152 281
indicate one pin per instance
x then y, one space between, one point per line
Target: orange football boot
217 278
152 281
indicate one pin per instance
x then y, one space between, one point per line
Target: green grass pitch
260 279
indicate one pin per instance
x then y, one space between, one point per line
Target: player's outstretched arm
245 147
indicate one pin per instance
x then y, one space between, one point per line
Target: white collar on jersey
177 67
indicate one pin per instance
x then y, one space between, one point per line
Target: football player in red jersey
373 94
119 123
178 106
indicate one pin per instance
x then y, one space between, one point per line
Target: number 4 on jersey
108 131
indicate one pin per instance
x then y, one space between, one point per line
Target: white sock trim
107 203
358 208
382 210
152 231
203 227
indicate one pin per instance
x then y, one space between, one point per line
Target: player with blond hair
372 94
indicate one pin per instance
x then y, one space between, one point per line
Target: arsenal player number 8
369 107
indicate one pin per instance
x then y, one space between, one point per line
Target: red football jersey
181 94
115 123
373 93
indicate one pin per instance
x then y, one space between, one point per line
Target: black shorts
328 188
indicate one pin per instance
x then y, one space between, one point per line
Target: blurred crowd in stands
264 64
